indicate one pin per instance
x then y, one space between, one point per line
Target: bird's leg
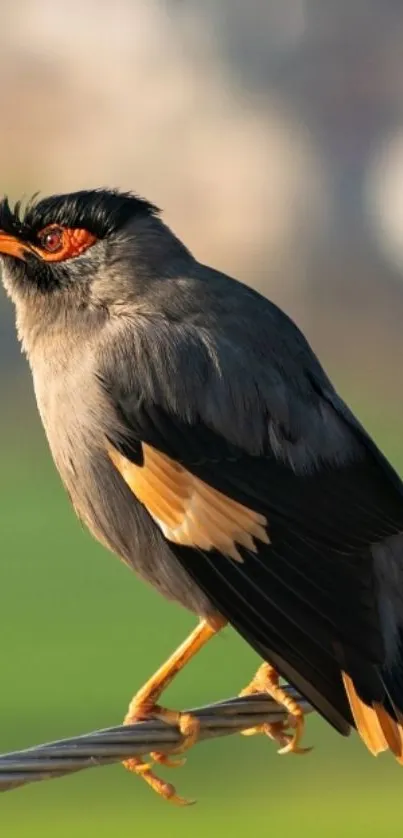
144 705
266 680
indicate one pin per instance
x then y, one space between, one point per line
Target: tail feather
378 730
392 731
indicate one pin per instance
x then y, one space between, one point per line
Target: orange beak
10 246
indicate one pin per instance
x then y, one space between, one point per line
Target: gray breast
78 418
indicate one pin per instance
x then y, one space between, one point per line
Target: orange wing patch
187 510
377 729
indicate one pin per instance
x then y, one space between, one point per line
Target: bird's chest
77 417
64 411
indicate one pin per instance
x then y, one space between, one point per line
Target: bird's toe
188 726
165 790
266 680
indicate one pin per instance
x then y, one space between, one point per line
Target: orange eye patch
58 243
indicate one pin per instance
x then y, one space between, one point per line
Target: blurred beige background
271 134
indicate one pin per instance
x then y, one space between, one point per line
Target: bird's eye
56 243
51 239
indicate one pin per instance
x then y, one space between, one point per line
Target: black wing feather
309 601
313 588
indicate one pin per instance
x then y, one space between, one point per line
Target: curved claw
291 749
292 746
164 759
277 732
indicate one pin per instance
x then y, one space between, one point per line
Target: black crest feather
100 211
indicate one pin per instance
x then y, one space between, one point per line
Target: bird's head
59 248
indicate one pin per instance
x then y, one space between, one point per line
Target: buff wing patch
187 510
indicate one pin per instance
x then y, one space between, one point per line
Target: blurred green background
271 132
80 634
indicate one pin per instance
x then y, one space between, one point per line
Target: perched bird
199 438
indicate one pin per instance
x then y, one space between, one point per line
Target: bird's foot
165 790
145 705
188 726
266 680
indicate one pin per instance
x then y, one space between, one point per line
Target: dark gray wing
266 429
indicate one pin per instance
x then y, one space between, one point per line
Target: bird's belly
105 504
102 500
120 522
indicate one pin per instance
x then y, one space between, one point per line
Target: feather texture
187 510
313 589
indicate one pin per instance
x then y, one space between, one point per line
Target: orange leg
266 680
144 706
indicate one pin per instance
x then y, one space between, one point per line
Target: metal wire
114 744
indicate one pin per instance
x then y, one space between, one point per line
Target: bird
200 439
